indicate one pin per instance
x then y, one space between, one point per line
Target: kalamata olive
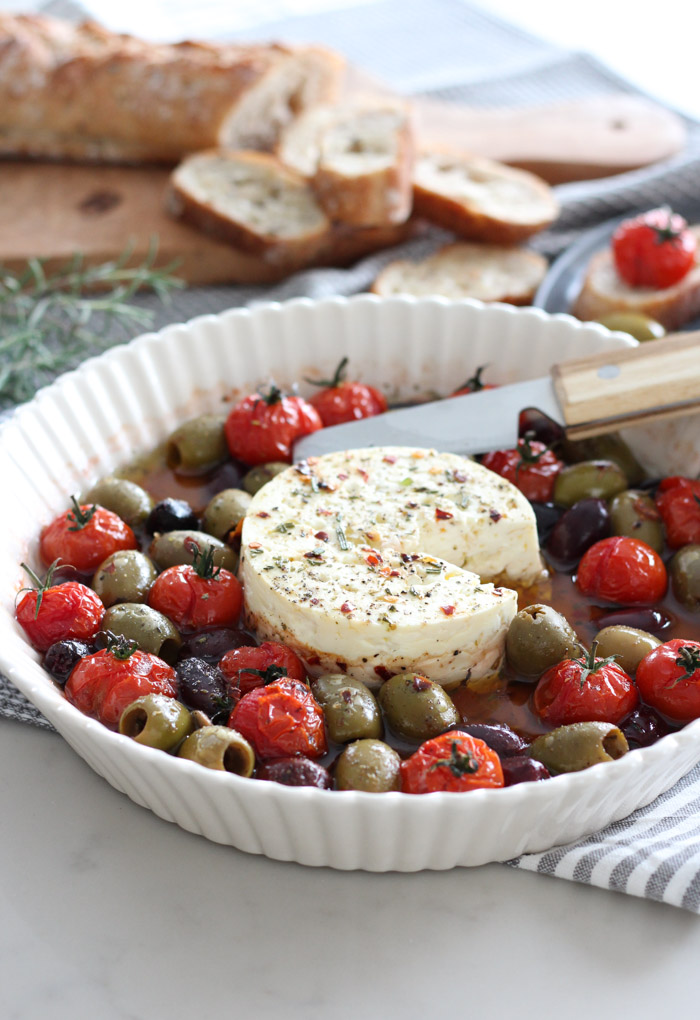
349 708
638 325
417 708
258 476
633 513
627 644
537 638
197 445
578 746
369 765
499 737
220 748
211 645
652 620
172 515
125 576
203 687
62 656
586 523
539 426
225 511
228 475
608 447
643 727
523 769
175 547
296 772
156 721
152 631
124 498
546 515
589 479
685 576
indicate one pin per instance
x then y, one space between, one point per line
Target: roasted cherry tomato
342 401
474 385
198 596
623 570
264 427
531 466
454 762
249 667
668 678
103 684
585 690
50 613
678 502
655 249
283 718
85 536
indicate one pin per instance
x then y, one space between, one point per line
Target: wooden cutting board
51 211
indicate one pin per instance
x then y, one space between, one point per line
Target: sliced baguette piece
252 201
481 199
488 272
604 291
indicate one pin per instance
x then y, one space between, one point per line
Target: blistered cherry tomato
84 537
454 762
531 466
264 427
584 690
623 570
103 684
655 249
341 400
51 613
198 596
668 678
249 667
474 384
281 719
678 502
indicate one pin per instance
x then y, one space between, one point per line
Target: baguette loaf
81 92
604 291
472 270
480 199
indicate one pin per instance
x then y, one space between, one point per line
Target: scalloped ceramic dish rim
48 698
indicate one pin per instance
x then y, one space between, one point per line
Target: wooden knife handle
658 379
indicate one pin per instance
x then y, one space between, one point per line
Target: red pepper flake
421 683
459 476
315 554
442 515
314 602
347 607
255 545
411 506
383 673
448 610
394 573
389 460
494 515
263 513
373 558
363 474
322 536
343 477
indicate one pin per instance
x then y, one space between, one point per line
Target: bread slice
480 199
488 272
252 201
604 291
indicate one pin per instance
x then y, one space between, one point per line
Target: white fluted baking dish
126 401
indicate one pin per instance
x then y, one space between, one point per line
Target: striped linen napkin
655 852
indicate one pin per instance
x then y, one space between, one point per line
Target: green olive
152 631
578 746
368 765
612 447
171 548
156 721
126 499
417 708
225 511
627 644
638 325
539 637
197 445
218 747
349 708
633 513
125 576
590 479
685 576
261 475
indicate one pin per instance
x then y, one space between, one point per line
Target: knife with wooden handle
588 396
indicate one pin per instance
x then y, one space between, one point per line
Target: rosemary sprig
50 322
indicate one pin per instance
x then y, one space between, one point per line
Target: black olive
296 772
62 656
211 645
172 515
203 687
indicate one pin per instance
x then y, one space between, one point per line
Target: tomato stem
203 560
119 646
269 675
475 382
590 665
459 763
338 376
689 660
79 516
38 585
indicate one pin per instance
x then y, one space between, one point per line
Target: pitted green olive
171 548
124 498
261 475
589 479
225 511
633 513
198 444
578 746
417 708
638 325
608 447
152 631
539 637
125 576
685 576
218 747
369 765
349 708
156 721
627 644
